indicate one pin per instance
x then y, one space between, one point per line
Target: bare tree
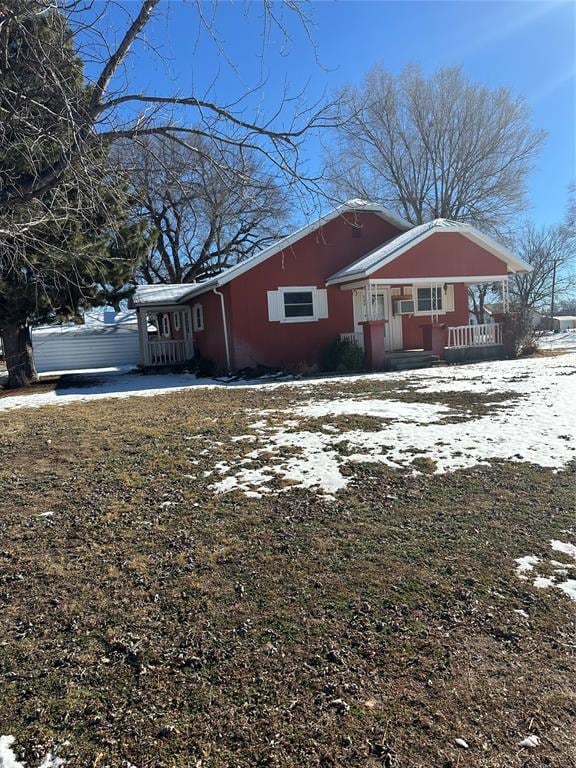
438 147
109 111
549 250
57 128
207 213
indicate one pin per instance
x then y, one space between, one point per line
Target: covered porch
166 336
423 315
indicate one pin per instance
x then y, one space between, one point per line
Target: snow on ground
536 424
561 340
380 409
8 756
105 386
527 568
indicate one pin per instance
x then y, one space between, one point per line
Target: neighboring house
359 273
104 340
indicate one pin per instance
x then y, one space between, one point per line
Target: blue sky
527 47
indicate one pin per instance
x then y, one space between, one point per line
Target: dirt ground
147 621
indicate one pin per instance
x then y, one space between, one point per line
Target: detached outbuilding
105 340
563 322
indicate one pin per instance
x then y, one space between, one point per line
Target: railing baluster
478 335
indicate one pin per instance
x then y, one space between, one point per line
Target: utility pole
553 296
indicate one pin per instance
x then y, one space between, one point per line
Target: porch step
406 361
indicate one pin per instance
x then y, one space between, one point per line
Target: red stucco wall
210 341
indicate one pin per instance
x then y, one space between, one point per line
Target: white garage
106 340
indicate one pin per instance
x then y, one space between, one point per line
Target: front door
380 309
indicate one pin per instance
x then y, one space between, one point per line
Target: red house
360 273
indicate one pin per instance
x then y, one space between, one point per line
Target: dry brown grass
285 631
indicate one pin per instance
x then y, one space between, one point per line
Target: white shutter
274 306
321 304
449 299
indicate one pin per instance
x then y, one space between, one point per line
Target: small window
165 326
429 299
176 317
198 317
298 304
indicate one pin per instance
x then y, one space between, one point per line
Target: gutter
225 326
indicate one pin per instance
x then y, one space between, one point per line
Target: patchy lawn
356 572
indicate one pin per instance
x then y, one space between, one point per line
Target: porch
165 335
445 344
396 317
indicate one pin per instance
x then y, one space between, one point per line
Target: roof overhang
161 295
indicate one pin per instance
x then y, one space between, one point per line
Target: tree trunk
19 355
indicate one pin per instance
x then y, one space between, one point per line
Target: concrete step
405 361
404 354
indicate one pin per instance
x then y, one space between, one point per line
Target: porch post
374 344
505 296
142 316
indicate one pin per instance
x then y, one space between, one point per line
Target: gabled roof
149 295
395 247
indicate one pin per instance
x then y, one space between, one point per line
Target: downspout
225 326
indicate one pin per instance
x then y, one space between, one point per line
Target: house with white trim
360 273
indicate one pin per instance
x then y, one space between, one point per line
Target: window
186 325
176 317
198 317
378 307
429 299
298 304
165 325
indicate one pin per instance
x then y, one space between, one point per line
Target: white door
394 325
381 309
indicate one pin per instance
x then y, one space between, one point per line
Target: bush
201 366
520 336
342 355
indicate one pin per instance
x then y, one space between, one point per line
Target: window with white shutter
297 304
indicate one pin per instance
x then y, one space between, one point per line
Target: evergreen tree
76 245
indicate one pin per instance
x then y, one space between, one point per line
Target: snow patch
380 409
528 563
8 756
535 425
566 548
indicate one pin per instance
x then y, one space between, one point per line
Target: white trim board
474 279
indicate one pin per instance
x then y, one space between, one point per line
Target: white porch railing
353 338
167 352
475 335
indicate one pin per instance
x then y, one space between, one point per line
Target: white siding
65 348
